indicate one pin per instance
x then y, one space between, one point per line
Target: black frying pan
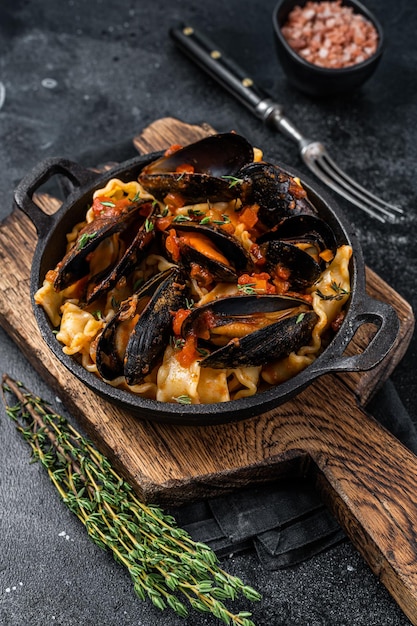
52 231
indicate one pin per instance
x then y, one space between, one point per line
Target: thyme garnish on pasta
340 292
248 289
183 399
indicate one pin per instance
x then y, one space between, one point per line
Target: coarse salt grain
330 35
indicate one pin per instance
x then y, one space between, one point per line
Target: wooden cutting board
365 476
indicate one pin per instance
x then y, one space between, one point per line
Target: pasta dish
209 278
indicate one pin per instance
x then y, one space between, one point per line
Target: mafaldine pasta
209 278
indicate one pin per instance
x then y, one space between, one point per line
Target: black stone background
81 79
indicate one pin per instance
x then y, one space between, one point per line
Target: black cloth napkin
285 522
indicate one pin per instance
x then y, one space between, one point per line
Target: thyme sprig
162 559
233 180
85 239
249 289
339 292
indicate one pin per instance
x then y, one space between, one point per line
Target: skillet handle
41 173
372 312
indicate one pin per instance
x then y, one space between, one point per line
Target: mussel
203 171
137 245
134 225
75 263
246 330
277 193
134 339
303 244
207 247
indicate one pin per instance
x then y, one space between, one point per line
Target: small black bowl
313 79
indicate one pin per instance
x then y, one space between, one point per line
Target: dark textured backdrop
81 79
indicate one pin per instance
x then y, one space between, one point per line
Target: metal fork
225 71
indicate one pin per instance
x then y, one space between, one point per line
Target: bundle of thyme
162 559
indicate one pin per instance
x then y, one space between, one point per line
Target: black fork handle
224 70
234 79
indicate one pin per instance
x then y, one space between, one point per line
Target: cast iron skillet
50 248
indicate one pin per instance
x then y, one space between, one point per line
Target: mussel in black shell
133 224
209 248
134 339
246 331
303 244
277 193
203 171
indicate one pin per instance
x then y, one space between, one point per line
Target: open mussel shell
154 327
275 191
75 264
304 270
134 339
217 155
296 243
303 228
211 161
213 249
257 329
259 348
136 250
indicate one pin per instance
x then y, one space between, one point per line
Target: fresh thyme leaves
108 203
225 220
164 212
300 318
162 559
340 292
248 289
182 218
209 220
136 197
183 399
189 303
195 212
177 343
84 239
233 180
149 225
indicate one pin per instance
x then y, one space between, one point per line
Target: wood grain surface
366 477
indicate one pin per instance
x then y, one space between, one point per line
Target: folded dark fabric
285 522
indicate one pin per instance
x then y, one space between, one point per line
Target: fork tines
324 167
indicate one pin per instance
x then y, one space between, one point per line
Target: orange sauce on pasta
188 353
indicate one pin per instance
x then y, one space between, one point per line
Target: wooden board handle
368 479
